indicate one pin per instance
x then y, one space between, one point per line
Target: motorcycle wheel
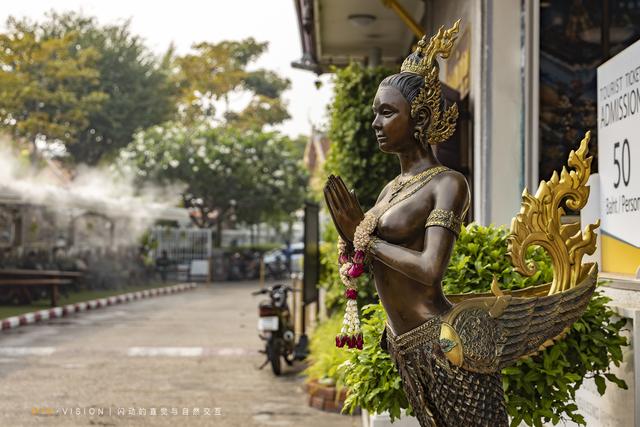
273 353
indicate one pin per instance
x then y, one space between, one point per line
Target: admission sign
619 160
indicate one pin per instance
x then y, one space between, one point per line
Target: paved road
194 352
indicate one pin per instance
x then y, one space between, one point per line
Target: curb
326 398
57 312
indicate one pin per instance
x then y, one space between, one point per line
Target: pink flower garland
350 269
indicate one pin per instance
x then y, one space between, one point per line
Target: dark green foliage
139 92
120 86
354 153
371 377
539 389
266 83
221 166
480 253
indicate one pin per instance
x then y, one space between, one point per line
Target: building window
575 38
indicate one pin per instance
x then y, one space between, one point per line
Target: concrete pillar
375 57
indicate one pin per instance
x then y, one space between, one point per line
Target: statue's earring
420 130
419 135
417 132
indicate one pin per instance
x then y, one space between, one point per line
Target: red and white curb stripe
56 312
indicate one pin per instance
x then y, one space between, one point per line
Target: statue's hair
408 84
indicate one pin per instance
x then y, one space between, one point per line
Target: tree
135 88
225 158
48 87
223 168
140 91
216 71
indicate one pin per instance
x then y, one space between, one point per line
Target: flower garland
350 269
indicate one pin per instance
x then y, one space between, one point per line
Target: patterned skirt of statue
441 394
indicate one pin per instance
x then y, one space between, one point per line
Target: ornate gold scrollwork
442 123
538 223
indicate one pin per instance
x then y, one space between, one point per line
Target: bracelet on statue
364 232
371 246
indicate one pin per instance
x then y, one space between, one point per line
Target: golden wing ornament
486 332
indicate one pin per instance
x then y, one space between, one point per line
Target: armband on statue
446 219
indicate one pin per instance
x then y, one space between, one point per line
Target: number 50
624 164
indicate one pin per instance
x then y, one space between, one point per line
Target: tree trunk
218 240
33 155
289 230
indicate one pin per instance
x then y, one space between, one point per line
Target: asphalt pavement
182 359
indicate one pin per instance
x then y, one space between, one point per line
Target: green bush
538 389
325 357
371 377
481 252
354 152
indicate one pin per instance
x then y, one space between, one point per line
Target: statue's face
392 122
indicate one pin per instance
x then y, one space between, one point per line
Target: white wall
617 408
504 143
496 100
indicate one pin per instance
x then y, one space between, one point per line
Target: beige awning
335 32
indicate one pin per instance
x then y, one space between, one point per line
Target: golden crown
442 124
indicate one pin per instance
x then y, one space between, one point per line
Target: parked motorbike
276 270
275 327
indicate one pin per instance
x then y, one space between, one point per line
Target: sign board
311 262
199 268
619 160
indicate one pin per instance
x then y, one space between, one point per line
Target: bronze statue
450 350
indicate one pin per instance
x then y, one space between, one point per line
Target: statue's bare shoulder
451 192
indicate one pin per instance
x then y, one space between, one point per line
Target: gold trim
455 354
397 186
495 288
442 124
444 218
538 223
406 18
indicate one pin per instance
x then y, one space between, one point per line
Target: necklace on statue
397 185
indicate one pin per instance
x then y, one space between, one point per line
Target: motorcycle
275 327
